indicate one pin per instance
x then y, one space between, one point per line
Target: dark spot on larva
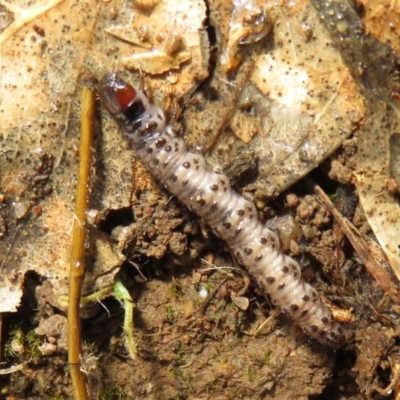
168 149
222 182
295 274
149 150
324 320
160 143
304 312
240 213
248 251
196 167
258 258
214 188
313 328
251 216
285 269
155 161
185 182
186 164
321 333
313 294
306 297
294 307
339 329
214 205
238 230
151 126
263 240
173 177
137 127
334 335
271 280
238 255
281 286
273 245
228 225
200 201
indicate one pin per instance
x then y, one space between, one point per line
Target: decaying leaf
47 49
292 101
162 47
164 37
375 65
42 53
378 157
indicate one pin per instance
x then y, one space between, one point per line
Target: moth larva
209 194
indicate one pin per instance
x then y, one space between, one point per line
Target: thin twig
369 252
273 315
1 341
13 369
77 268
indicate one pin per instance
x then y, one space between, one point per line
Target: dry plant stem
77 268
226 116
364 250
1 340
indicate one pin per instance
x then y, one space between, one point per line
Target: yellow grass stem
77 267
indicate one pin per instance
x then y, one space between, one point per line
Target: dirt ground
192 324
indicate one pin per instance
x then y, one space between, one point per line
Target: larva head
120 99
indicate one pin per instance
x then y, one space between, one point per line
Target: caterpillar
209 194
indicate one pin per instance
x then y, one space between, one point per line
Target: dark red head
120 99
